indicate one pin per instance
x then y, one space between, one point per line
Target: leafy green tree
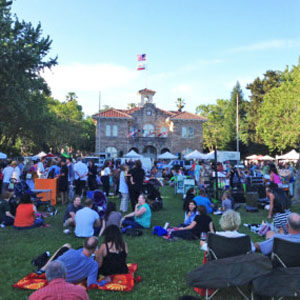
23 55
71 96
131 105
213 129
278 124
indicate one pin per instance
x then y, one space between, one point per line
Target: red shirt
24 215
59 289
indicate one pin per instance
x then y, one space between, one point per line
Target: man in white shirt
40 168
87 221
7 174
80 174
16 172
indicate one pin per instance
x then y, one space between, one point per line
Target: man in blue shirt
78 263
203 200
293 226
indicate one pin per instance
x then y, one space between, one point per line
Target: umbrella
3 155
167 155
50 155
132 154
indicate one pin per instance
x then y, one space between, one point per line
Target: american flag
141 57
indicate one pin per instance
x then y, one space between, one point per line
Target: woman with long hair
190 212
111 217
112 254
274 176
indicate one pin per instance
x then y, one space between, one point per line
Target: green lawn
161 264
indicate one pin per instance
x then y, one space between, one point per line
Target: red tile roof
113 113
187 116
144 91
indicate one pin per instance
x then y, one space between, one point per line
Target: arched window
164 132
183 132
148 130
112 151
115 130
191 132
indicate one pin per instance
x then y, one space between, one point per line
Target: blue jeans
130 222
37 223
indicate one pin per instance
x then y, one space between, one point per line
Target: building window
112 151
115 130
148 130
149 113
191 132
164 132
183 132
107 130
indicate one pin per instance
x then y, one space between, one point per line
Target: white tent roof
41 154
292 155
210 155
167 155
195 155
267 157
3 155
132 154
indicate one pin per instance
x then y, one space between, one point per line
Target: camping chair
223 247
284 279
285 253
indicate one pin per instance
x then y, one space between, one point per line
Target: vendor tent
167 155
195 155
132 154
41 154
267 157
3 155
292 155
252 157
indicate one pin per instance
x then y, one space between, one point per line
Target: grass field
161 264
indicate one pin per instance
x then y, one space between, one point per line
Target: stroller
22 188
99 202
151 189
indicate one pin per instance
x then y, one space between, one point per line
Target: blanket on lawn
120 282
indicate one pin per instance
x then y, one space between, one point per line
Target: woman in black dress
92 180
63 182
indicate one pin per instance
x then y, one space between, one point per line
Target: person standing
40 168
92 182
105 173
70 178
137 180
123 188
63 182
81 174
7 174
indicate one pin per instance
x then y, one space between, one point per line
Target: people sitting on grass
111 217
226 201
57 287
79 263
190 195
6 217
203 200
190 213
69 216
112 254
202 223
230 223
140 217
87 221
279 207
26 214
293 227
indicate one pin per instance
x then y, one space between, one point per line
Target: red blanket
120 282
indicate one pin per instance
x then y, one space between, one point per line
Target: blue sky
196 49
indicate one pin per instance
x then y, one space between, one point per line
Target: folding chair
223 247
285 253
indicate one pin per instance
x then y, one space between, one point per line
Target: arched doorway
164 150
150 151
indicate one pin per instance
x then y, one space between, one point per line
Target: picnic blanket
120 282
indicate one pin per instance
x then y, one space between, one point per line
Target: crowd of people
70 265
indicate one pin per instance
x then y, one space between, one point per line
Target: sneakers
67 231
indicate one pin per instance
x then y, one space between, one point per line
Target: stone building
147 129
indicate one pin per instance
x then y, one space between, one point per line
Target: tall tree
131 105
279 113
23 55
71 96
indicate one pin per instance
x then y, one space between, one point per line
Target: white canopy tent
292 155
41 154
3 155
195 155
167 155
267 157
132 154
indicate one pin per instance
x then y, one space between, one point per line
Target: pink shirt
59 289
